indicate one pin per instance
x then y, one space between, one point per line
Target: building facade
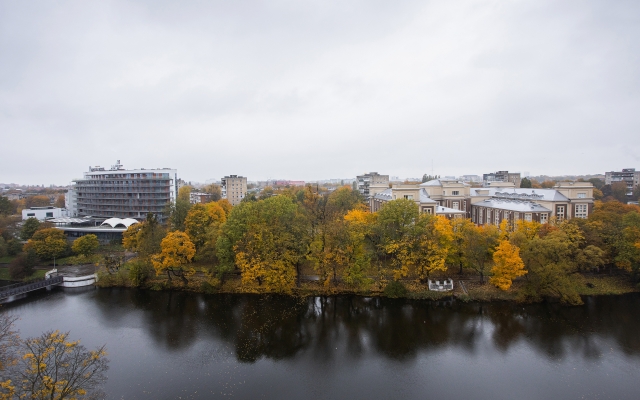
234 188
371 179
42 213
502 176
122 193
200 197
628 175
492 205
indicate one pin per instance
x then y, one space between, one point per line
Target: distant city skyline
313 90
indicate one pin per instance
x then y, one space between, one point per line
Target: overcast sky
318 89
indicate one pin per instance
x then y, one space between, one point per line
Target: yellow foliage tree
424 249
55 368
196 224
216 212
226 206
508 265
48 243
176 250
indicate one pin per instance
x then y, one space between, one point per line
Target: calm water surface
173 345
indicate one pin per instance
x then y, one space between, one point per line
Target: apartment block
366 181
234 188
502 176
628 175
122 193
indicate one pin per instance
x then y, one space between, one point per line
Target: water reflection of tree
280 327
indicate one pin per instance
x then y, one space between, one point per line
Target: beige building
234 188
492 205
419 195
565 201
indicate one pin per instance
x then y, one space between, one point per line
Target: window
582 195
457 216
455 193
543 218
527 217
408 196
427 210
456 205
581 210
497 217
480 217
34 214
560 212
473 214
49 215
488 216
516 215
444 192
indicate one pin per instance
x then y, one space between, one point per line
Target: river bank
467 288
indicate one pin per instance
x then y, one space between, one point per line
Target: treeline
272 242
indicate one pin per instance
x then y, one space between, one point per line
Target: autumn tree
144 238
214 190
53 367
619 191
507 265
184 193
86 245
265 240
29 227
176 250
37 201
60 201
226 206
196 224
23 265
48 243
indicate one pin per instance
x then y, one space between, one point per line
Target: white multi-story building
234 188
124 193
71 202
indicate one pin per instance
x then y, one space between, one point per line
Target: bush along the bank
273 242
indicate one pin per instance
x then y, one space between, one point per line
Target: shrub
139 271
395 289
22 266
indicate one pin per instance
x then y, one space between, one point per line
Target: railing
24 287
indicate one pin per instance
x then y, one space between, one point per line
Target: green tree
48 243
178 213
525 183
266 241
31 225
86 245
597 183
6 208
478 247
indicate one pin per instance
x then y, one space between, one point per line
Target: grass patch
4 274
7 259
594 285
78 260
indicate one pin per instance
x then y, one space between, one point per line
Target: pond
184 345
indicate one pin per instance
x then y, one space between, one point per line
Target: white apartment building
43 213
366 181
234 188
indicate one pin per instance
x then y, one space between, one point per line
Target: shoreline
591 285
